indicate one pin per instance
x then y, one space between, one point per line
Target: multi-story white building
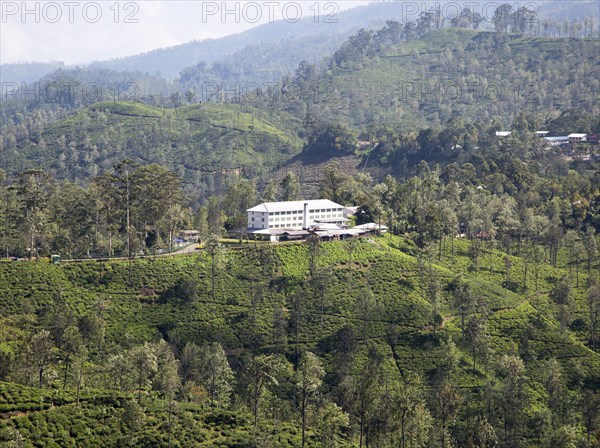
295 214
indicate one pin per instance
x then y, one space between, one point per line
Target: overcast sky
78 32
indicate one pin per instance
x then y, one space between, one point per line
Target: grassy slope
400 329
390 272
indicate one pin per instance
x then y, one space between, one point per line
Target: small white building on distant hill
574 138
295 215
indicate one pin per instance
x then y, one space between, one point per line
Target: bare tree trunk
169 421
79 380
212 276
66 372
362 429
255 404
303 419
403 431
140 387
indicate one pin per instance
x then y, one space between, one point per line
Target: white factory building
295 215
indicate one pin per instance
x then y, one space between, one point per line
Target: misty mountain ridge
298 37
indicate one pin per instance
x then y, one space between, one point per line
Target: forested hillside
378 84
391 78
196 141
463 348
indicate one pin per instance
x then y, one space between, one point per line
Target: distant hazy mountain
170 61
299 37
568 10
27 72
260 64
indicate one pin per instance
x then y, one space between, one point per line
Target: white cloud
102 30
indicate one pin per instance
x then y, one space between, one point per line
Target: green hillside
349 304
199 142
107 420
370 84
136 310
453 72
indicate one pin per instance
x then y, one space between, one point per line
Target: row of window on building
300 212
299 219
